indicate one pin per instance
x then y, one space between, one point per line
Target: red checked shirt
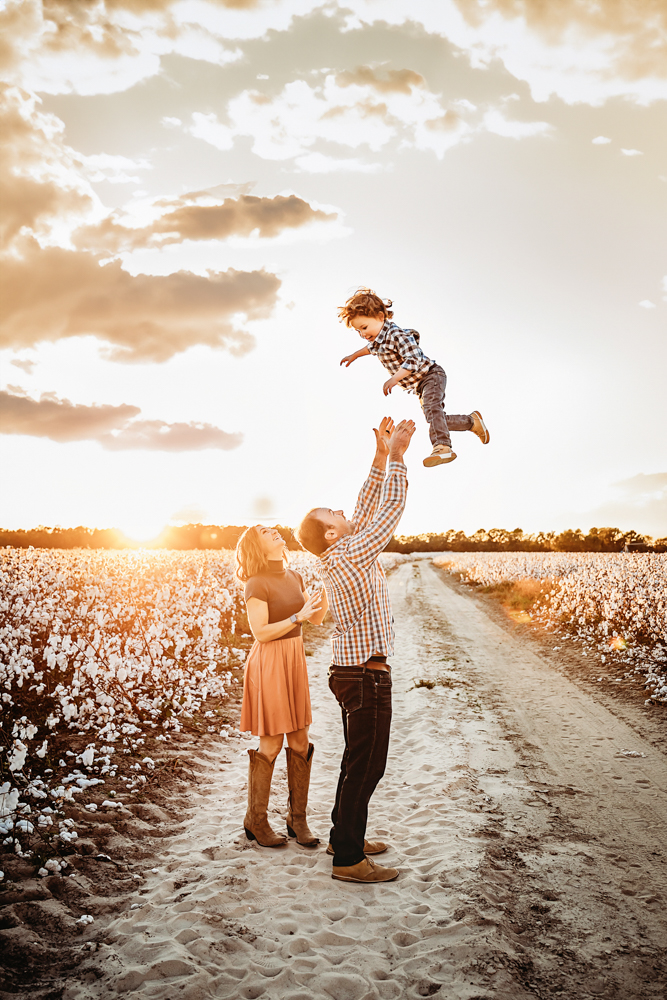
354 579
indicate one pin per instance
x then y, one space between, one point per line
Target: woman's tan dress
276 697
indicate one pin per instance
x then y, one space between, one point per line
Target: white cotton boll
43 873
85 919
52 865
88 755
91 807
18 755
42 750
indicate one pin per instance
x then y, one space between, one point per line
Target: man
363 639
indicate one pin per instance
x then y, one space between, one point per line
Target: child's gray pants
431 392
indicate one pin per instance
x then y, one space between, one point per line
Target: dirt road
529 844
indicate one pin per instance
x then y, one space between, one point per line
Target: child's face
368 327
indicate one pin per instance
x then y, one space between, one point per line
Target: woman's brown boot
256 823
298 780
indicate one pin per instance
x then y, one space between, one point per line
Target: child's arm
394 380
347 361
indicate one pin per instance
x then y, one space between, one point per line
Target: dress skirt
276 697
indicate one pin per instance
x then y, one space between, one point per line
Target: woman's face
271 542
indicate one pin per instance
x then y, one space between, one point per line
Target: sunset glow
190 189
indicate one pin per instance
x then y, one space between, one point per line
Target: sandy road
529 847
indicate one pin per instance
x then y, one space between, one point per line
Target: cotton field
614 604
110 647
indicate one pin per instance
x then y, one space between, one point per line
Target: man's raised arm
369 542
369 495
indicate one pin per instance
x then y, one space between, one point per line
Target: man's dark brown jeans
364 695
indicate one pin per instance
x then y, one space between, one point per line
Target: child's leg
431 392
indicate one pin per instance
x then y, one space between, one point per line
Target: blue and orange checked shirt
354 579
398 348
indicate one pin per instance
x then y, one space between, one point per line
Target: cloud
25 364
496 122
186 218
632 152
42 186
393 81
61 47
576 49
114 427
600 140
647 304
366 109
52 294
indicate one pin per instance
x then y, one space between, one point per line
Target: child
399 352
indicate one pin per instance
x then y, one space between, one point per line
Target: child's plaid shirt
397 348
354 579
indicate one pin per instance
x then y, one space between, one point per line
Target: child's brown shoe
366 871
479 427
440 455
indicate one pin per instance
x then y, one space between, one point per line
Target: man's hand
400 439
383 436
389 385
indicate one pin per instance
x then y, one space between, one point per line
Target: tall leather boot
256 823
298 781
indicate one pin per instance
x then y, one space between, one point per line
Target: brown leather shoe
370 847
366 871
479 427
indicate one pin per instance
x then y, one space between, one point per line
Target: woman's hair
364 302
310 534
250 557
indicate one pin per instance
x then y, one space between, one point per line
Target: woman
276 698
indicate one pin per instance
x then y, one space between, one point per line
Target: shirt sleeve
367 544
256 587
368 499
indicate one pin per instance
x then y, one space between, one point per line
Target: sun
141 528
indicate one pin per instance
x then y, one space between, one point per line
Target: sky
191 188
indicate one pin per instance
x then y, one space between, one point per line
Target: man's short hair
364 302
310 533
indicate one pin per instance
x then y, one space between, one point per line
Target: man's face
337 525
368 327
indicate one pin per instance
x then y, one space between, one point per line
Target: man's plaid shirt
397 348
354 579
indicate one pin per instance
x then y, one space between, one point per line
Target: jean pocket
347 690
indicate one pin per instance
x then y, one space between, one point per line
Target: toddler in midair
399 351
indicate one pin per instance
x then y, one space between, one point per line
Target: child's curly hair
364 302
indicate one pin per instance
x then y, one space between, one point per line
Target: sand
529 846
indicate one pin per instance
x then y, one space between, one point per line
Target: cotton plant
614 604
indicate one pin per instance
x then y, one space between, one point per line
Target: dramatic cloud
51 294
186 218
41 184
114 427
346 109
52 291
581 50
25 364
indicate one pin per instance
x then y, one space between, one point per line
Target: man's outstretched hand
400 440
383 437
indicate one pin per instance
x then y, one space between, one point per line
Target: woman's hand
311 607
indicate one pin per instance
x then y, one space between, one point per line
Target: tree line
211 536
